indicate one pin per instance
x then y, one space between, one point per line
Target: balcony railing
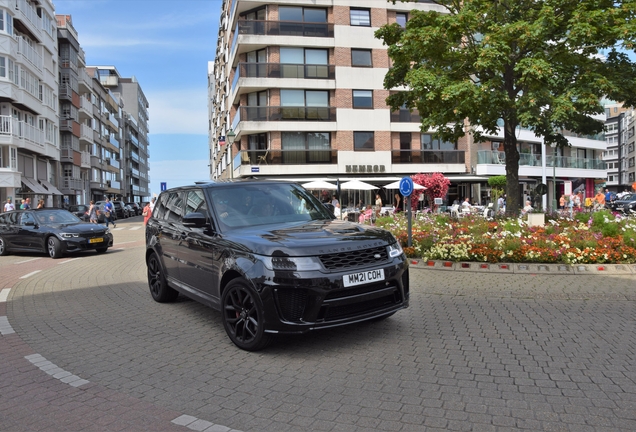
427 156
283 70
289 157
405 116
284 28
490 157
287 113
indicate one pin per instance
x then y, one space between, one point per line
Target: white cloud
178 111
177 173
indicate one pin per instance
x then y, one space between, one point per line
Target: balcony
286 113
289 157
490 157
86 133
284 70
283 28
427 156
405 116
70 183
85 159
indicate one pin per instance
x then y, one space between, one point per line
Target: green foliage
528 63
498 182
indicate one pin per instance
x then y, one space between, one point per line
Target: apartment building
29 136
296 91
620 155
90 132
135 177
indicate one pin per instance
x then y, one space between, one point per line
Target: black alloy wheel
157 283
3 247
54 247
243 316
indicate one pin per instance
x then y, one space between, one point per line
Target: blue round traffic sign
406 186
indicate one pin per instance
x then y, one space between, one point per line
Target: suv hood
309 238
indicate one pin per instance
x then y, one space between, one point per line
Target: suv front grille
355 259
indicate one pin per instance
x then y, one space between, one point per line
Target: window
401 18
363 98
301 14
314 63
361 57
3 68
431 143
308 98
306 147
363 141
360 17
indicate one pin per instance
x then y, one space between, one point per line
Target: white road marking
30 274
29 260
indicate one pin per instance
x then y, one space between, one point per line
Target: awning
52 189
34 186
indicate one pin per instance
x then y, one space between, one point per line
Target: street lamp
230 140
554 199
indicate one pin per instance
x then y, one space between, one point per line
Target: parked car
118 209
272 259
136 208
81 211
52 231
626 204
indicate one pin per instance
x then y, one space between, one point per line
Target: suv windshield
266 203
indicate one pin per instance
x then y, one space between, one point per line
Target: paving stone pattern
473 352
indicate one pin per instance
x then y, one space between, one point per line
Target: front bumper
298 302
81 244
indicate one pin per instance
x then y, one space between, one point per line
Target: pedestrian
562 202
41 204
608 195
108 213
93 213
334 201
152 203
397 203
146 213
8 206
600 200
378 204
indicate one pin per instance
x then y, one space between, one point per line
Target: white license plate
363 277
96 240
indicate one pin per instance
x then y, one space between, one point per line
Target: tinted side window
27 217
173 207
195 202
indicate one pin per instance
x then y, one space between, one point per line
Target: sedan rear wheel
157 283
3 247
54 247
243 316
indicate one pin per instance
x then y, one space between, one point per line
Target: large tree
474 66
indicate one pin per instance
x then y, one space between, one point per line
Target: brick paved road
473 352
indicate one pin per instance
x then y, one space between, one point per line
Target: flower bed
589 238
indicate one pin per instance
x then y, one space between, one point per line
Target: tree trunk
512 170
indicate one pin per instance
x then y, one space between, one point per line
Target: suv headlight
395 250
290 263
69 235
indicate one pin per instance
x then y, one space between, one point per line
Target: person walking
8 206
147 212
108 213
92 212
397 203
41 204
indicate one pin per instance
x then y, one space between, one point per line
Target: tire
159 289
3 247
101 250
243 316
54 247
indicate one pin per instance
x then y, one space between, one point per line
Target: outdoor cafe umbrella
320 184
357 185
396 185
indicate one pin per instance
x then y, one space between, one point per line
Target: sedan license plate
364 277
96 240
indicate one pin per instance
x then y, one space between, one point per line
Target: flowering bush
591 238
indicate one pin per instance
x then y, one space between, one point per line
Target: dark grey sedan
52 231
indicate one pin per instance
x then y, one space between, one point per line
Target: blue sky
166 45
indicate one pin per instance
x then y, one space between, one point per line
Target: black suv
626 203
272 259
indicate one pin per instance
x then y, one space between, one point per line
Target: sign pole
406 189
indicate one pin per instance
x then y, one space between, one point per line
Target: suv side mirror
195 220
